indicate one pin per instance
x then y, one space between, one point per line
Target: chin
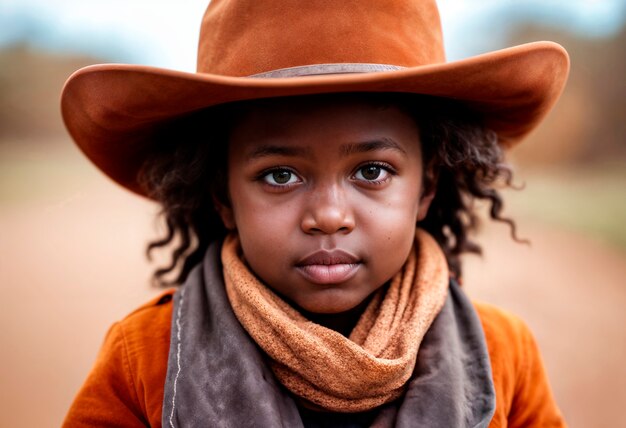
331 303
329 310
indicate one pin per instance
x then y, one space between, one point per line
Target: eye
373 173
280 177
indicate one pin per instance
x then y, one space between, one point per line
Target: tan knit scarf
321 366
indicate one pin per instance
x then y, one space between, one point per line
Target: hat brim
111 109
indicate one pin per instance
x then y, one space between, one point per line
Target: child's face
325 196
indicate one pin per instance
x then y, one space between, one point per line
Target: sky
164 33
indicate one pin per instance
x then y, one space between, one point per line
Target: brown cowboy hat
252 49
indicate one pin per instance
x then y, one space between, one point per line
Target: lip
329 267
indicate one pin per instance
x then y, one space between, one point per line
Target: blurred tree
30 89
588 125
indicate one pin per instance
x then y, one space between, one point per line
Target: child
316 176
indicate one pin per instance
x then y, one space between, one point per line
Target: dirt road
72 263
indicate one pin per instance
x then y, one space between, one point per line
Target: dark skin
325 195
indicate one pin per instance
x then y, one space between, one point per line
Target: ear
226 214
429 188
425 202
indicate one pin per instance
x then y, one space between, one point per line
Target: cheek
262 224
260 238
395 211
389 227
257 211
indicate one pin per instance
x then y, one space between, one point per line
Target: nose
328 211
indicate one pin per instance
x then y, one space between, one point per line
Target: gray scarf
218 377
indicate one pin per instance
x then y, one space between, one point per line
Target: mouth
329 267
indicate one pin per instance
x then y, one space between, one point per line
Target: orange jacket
125 386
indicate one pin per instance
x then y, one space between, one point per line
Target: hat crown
248 37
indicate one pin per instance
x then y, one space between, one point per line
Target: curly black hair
188 170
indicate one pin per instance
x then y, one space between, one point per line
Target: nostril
327 231
324 217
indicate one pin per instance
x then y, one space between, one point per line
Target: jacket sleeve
108 397
125 386
523 395
533 404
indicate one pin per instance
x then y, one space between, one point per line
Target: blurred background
72 242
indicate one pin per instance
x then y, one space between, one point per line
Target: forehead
303 121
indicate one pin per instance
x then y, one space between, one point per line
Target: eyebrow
272 150
384 143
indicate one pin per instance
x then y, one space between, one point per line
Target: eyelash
383 165
266 172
